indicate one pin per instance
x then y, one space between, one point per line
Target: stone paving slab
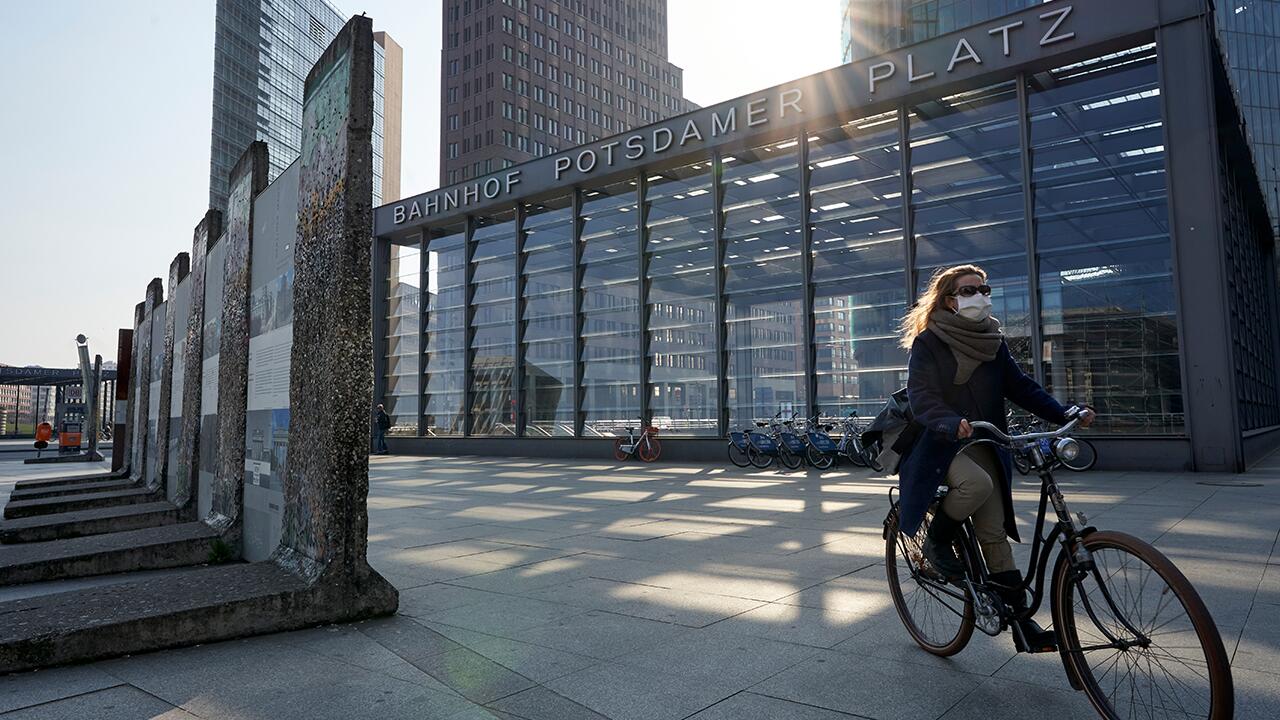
554 590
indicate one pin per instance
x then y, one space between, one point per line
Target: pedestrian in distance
381 424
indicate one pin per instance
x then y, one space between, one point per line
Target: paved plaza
563 589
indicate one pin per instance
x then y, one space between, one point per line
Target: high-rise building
523 78
262 52
1248 36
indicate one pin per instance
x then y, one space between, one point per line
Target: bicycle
1097 606
850 445
750 447
646 446
820 450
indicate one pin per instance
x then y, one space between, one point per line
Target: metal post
518 301
1029 219
468 313
722 357
642 295
908 222
806 271
578 324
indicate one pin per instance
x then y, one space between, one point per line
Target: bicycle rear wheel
853 451
819 459
649 449
1087 458
738 456
1174 665
759 459
937 620
790 460
618 453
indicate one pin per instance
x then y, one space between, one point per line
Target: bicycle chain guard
986 609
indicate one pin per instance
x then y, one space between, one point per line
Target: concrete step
207 605
81 501
51 482
153 548
89 486
88 522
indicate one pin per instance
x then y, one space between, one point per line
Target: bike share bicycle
753 446
1132 632
646 446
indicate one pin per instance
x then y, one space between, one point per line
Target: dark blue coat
939 404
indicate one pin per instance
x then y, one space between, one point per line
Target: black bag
896 429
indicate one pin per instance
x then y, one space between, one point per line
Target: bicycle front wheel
1087 458
853 451
1137 635
933 612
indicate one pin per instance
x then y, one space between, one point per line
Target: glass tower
263 50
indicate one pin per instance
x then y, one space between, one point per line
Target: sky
104 137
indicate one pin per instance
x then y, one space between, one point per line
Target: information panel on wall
209 376
153 405
270 344
181 304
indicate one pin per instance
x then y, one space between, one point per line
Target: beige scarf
972 342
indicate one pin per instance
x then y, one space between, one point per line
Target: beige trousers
974 478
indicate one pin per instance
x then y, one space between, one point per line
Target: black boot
1028 636
939 546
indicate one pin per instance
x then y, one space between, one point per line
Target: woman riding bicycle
960 370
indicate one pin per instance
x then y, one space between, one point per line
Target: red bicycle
646 446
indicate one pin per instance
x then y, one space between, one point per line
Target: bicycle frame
1065 531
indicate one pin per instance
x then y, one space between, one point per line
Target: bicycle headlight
1067 449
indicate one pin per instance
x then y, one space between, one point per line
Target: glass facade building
764 268
1248 31
263 50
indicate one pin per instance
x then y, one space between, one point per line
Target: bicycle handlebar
1011 440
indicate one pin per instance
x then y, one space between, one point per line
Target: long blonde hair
941 286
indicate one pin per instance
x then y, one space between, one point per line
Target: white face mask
976 307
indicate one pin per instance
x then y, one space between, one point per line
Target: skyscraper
1248 36
523 78
263 50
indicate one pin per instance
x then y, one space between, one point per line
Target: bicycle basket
739 439
822 442
793 442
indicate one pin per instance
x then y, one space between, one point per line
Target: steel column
642 295
908 222
420 383
806 272
722 357
1029 222
468 331
1187 100
379 270
578 324
518 360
